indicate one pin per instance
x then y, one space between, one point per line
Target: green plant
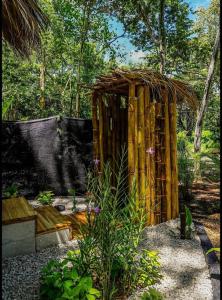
11 191
112 234
152 294
45 198
212 249
72 192
61 280
188 228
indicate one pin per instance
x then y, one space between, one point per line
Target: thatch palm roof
118 82
22 23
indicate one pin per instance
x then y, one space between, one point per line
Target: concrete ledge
18 238
49 239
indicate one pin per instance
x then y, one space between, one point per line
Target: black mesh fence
47 154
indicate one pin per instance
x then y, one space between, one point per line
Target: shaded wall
47 154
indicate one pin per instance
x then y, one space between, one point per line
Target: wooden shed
137 108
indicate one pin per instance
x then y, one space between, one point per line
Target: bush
45 198
108 251
152 294
60 281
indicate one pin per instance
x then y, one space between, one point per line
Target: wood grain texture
49 220
16 210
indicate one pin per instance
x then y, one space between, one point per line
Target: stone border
211 259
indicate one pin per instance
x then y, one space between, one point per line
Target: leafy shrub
108 250
45 198
152 294
112 235
11 191
60 281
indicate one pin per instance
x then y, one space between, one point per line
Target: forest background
82 42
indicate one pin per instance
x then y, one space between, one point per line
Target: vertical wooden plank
147 146
152 163
131 133
167 154
141 146
174 168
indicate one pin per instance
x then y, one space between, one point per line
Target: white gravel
184 270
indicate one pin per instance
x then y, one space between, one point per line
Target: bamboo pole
101 132
147 146
167 155
118 133
141 146
174 168
158 174
131 133
95 127
152 163
114 133
109 137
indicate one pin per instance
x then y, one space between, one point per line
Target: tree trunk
162 47
203 107
42 82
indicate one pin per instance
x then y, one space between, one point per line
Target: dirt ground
205 208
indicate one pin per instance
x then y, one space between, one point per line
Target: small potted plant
45 198
11 191
72 193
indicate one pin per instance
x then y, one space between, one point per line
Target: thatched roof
22 23
118 82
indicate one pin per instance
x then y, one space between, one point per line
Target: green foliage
45 198
212 250
108 250
66 45
11 191
111 238
72 192
60 281
188 228
152 294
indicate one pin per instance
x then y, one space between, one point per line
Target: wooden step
16 210
50 220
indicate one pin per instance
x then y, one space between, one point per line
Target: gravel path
186 275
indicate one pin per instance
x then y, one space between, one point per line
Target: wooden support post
167 154
131 133
141 147
109 133
174 168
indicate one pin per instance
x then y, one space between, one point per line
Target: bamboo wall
147 126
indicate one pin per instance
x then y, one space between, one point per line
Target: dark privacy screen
47 154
